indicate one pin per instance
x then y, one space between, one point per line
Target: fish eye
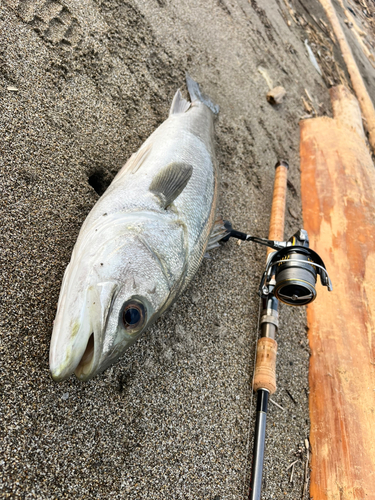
133 315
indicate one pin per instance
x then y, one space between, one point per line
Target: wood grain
359 87
338 197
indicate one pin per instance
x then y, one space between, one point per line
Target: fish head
105 305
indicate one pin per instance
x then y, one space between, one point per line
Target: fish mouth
80 363
77 347
85 367
79 359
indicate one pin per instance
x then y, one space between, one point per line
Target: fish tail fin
197 95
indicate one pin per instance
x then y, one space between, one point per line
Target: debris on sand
306 471
276 95
312 58
276 404
266 76
307 106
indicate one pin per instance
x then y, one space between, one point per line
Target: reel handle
276 230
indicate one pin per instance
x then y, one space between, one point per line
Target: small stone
293 213
168 354
180 332
217 321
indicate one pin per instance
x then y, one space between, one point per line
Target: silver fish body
141 244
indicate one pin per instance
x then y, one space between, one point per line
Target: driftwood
355 76
338 199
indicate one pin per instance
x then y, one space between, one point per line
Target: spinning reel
291 271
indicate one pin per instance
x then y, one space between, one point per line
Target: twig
291 397
306 478
311 101
291 474
276 404
291 465
308 95
306 105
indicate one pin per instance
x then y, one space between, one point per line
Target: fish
142 243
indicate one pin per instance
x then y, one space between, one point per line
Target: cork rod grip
265 368
276 231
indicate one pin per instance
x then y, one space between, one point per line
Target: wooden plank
338 197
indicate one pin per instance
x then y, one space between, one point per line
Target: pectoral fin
170 182
218 233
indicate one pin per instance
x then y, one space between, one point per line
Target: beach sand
82 85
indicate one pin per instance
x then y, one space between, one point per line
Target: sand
82 85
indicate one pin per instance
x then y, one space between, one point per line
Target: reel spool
291 273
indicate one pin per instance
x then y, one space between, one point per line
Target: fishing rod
290 276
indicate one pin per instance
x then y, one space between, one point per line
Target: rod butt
259 442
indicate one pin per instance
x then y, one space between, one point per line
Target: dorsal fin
170 182
179 104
